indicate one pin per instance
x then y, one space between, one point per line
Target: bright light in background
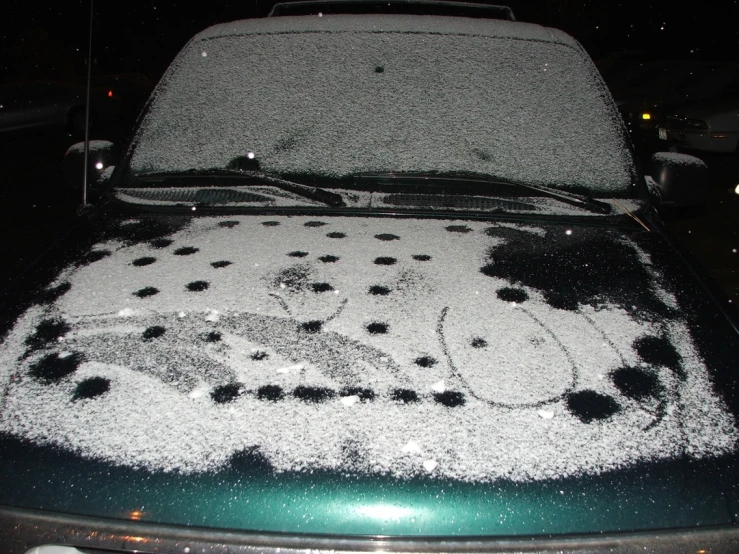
646 116
250 155
99 165
736 190
110 94
135 515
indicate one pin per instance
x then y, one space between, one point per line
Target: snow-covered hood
470 351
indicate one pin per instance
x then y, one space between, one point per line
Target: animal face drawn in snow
304 340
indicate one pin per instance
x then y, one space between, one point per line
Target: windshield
340 100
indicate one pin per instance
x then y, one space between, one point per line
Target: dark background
50 43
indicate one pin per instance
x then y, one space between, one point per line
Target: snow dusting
375 345
339 95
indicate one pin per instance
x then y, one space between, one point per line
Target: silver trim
22 529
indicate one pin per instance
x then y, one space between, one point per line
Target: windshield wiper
239 178
438 179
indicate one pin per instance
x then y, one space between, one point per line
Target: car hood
370 375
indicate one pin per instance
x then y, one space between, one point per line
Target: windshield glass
342 99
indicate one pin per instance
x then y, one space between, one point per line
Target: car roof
391 24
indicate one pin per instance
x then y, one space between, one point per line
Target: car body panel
108 467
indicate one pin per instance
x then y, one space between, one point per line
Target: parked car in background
40 103
59 104
362 282
710 126
668 86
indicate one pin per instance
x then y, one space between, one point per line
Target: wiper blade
240 177
438 179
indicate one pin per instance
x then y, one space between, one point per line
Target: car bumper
22 530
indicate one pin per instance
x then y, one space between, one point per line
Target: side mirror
681 180
102 158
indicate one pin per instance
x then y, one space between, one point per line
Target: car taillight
110 94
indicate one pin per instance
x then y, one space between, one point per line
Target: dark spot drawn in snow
270 392
336 235
91 388
450 398
478 342
421 257
51 295
298 254
379 290
186 251
329 259
314 224
250 461
377 328
226 393
52 368
146 260
48 331
365 395
161 243
637 383
379 69
659 351
404 395
313 394
425 361
153 332
387 237
510 294
92 257
198 286
228 224
588 405
385 260
311 326
321 287
458 229
213 336
221 263
589 266
259 355
270 223
146 291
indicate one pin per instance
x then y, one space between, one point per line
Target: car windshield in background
331 97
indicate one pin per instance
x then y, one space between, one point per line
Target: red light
110 94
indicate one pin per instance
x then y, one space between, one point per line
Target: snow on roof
339 95
389 24
396 346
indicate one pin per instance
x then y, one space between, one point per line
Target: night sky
50 42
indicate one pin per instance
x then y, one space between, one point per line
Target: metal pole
87 111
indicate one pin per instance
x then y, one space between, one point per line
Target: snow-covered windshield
333 98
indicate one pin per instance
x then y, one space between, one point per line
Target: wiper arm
241 177
435 179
